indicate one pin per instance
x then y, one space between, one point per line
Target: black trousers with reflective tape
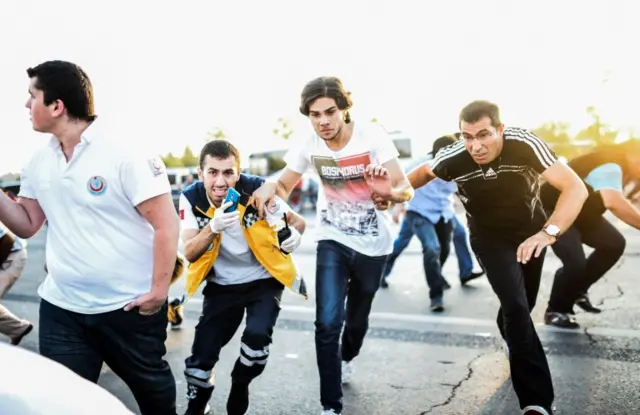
222 312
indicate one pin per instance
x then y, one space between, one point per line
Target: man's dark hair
325 87
477 110
219 149
67 82
442 142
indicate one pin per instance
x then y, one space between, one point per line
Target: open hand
534 246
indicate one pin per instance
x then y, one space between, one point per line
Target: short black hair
442 142
220 149
67 82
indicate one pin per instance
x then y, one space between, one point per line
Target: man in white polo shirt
112 239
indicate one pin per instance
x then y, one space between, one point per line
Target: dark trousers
342 274
516 286
131 344
578 272
436 246
222 312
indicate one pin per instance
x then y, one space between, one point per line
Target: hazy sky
166 72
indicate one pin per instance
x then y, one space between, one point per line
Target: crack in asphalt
618 287
590 337
619 294
456 386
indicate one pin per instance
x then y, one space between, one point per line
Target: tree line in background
597 133
189 159
556 134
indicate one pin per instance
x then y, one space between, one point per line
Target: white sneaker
348 369
330 412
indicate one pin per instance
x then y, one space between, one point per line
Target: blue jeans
342 273
436 244
465 263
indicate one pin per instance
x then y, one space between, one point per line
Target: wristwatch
552 230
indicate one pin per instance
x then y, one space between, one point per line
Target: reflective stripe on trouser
199 377
199 389
250 364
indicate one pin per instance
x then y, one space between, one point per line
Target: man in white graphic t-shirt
358 167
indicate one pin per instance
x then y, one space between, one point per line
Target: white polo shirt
99 248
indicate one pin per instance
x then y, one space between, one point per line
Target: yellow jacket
261 238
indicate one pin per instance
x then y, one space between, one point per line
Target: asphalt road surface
415 362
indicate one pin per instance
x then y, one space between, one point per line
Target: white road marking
460 321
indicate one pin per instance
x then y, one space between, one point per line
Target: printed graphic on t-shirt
349 205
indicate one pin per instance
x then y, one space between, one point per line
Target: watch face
552 230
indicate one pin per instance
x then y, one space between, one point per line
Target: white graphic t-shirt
345 211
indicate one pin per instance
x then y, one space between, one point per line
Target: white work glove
222 220
292 242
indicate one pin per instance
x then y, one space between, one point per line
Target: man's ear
57 107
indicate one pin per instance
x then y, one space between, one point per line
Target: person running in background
13 259
604 170
429 216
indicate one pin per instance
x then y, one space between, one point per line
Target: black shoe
562 320
384 283
584 303
473 276
437 305
175 313
198 399
238 401
16 340
445 284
